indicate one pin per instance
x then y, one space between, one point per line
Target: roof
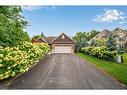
62 39
102 34
42 40
119 30
39 40
50 38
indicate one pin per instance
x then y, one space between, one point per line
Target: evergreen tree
42 34
83 43
92 43
111 42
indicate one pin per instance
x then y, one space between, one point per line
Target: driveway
64 71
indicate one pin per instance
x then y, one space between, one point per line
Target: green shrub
19 59
100 52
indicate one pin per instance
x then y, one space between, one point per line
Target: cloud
121 22
33 7
110 15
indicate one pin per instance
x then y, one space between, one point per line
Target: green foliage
37 37
111 42
12 24
100 52
16 60
81 44
87 35
42 34
79 36
82 38
92 34
98 42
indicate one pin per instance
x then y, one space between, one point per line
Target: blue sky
53 20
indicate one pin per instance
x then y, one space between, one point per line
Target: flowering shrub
100 52
19 59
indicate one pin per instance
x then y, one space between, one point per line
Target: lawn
117 70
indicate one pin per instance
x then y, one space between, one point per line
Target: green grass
117 70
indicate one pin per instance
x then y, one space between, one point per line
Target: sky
54 20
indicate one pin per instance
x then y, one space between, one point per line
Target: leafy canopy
82 38
12 25
39 36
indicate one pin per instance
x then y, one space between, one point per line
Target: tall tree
80 39
42 34
83 43
111 42
37 37
12 25
92 34
79 35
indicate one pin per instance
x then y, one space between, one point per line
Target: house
39 40
120 37
60 44
103 34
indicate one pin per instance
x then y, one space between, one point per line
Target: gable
42 40
121 33
63 39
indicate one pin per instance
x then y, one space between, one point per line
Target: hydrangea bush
16 60
100 52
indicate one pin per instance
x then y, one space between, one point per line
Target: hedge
16 60
100 52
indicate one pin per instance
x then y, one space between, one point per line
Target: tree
79 35
12 25
92 42
42 34
111 42
37 37
92 34
100 42
83 36
83 43
80 39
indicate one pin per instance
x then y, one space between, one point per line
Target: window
121 46
62 36
121 38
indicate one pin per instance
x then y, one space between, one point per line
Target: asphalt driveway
64 71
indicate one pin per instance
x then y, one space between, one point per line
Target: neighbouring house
120 36
60 44
39 40
103 34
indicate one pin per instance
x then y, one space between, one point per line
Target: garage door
62 49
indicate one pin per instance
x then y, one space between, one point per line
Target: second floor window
121 38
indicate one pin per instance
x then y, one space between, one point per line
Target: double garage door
63 49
